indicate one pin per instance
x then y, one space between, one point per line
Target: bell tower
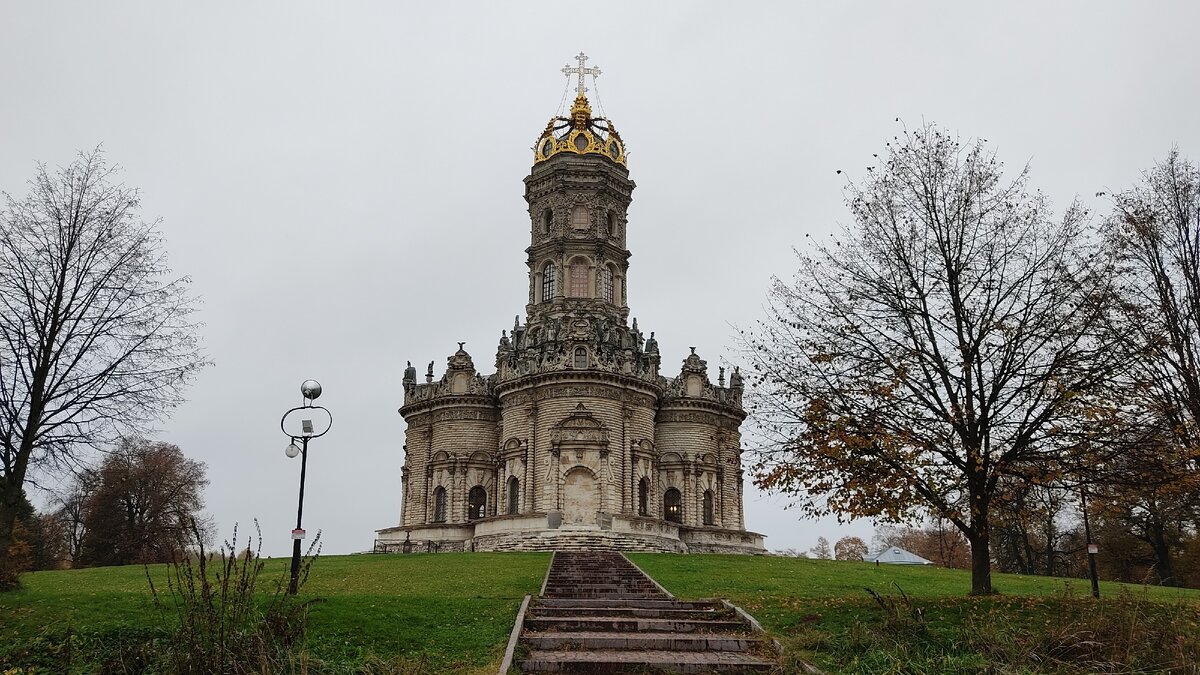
578 193
577 439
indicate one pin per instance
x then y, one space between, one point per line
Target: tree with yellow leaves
938 345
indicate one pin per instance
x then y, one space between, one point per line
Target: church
578 440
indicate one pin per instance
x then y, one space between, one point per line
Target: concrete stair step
615 596
576 576
659 603
630 612
641 588
600 614
688 642
618 624
621 661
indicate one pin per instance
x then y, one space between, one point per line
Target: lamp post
310 390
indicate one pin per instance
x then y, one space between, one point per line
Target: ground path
599 613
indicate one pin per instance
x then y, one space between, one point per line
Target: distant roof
897 556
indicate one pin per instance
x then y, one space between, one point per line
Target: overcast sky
342 181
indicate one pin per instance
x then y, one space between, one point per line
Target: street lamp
310 390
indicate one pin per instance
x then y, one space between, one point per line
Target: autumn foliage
963 353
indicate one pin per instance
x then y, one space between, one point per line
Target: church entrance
581 497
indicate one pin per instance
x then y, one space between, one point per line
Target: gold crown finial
581 112
580 133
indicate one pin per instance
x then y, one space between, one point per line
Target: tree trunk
981 562
1162 554
8 518
1049 534
980 531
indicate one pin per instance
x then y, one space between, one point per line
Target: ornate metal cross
581 71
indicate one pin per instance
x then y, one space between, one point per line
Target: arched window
606 284
547 220
581 358
549 282
612 225
709 518
673 506
644 497
439 504
514 495
579 218
476 503
579 280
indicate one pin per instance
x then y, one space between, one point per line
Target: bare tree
1030 527
96 335
1152 407
71 512
821 551
937 346
1156 231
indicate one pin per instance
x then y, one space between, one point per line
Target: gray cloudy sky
342 181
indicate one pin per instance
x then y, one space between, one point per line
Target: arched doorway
581 497
476 503
673 506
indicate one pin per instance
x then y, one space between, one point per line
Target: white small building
897 556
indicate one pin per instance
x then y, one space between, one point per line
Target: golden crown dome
581 134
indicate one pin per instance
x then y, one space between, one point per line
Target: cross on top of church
581 71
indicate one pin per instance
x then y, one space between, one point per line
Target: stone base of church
714 540
546 532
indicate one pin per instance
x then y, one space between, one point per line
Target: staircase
598 613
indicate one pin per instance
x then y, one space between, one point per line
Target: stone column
741 516
526 479
531 452
554 478
404 494
686 487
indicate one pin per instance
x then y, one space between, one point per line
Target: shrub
226 624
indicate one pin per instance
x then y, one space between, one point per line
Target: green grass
820 608
453 612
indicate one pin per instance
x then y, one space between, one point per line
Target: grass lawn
820 609
455 611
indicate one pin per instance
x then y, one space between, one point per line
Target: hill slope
453 611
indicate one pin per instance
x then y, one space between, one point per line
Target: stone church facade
577 440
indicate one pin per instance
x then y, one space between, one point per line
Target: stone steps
652 603
620 624
632 612
640 661
690 642
600 614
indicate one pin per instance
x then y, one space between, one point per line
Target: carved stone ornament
580 428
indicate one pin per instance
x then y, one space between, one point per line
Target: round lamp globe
311 389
